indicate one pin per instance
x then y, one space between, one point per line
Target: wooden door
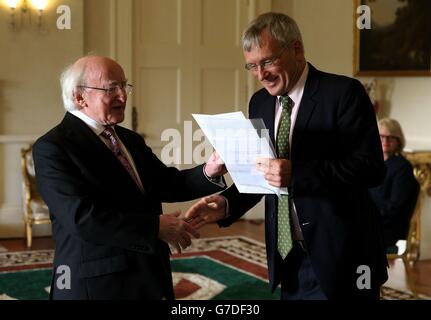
187 58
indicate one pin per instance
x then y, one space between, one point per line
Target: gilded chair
35 209
409 249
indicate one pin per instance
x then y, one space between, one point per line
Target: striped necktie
284 239
115 147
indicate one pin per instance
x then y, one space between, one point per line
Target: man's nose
122 95
260 73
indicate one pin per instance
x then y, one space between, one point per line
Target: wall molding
121 44
14 138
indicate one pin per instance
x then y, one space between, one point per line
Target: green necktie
284 241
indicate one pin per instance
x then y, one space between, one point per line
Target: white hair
70 79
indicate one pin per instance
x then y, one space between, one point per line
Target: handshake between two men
177 230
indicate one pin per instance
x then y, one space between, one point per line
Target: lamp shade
40 4
12 3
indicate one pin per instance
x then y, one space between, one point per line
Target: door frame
121 44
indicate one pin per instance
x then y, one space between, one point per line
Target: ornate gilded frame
359 55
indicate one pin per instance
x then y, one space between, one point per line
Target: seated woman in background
396 197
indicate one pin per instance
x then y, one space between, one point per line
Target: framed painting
396 41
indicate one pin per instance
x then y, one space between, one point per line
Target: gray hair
70 79
394 128
282 28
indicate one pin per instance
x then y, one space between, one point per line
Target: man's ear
79 98
298 47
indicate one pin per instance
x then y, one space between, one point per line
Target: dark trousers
298 281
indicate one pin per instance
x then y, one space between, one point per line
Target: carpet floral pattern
211 268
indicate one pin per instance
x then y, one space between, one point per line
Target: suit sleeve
74 206
355 158
239 204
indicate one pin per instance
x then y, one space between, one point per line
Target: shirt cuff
216 180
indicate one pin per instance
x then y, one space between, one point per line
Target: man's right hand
278 172
208 209
175 231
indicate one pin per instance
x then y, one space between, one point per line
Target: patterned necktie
114 145
284 240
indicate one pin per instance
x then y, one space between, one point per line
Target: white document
239 142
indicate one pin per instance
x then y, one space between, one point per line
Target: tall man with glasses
104 188
323 240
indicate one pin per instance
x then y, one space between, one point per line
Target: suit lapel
308 103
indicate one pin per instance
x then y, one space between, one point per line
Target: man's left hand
278 172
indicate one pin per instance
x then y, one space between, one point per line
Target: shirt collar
96 127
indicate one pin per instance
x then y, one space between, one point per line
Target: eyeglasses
112 90
389 138
265 64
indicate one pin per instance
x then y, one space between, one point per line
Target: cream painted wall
108 32
285 6
30 99
31 62
327 31
97 22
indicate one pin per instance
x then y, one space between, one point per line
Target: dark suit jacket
105 229
396 198
336 156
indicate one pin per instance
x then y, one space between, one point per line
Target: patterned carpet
213 268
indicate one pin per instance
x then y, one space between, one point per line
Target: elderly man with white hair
104 188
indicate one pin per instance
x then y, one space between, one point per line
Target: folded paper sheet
239 142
